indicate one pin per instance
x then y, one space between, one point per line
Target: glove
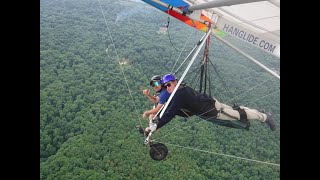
153 126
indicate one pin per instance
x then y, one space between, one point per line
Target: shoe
270 121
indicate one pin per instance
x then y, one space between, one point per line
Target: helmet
155 78
168 77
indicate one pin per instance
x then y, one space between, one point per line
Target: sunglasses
155 84
167 85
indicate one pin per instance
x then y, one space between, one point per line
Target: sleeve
164 96
172 110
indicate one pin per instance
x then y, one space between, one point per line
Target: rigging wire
196 75
250 89
226 155
180 52
221 79
122 71
216 94
261 97
170 37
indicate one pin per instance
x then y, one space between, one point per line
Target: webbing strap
243 114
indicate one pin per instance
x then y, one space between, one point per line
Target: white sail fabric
257 23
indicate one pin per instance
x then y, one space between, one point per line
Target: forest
96 57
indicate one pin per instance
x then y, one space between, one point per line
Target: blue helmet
168 77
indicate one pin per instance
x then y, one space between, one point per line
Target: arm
152 111
172 110
153 99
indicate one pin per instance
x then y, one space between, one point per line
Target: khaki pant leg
252 114
227 109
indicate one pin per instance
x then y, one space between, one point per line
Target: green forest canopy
87 116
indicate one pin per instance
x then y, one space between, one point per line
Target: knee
217 105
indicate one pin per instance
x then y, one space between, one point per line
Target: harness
243 123
243 116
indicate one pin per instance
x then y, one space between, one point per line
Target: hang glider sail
255 22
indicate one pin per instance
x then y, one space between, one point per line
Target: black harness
243 116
